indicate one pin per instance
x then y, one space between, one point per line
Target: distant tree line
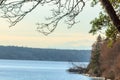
22 53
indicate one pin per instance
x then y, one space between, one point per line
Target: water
37 70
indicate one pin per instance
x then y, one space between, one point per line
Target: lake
38 70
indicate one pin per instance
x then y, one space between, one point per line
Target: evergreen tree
94 66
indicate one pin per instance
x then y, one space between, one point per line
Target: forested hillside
105 60
23 53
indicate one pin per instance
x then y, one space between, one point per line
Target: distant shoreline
22 53
40 60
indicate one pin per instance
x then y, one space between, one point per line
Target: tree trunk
111 12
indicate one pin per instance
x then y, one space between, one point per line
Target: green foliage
94 2
95 61
103 23
115 3
99 23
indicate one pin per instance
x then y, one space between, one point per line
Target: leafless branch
15 11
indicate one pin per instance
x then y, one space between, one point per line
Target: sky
24 33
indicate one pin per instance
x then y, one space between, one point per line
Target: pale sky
24 33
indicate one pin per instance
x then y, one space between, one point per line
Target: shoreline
93 77
82 71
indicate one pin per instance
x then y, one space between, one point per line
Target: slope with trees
108 61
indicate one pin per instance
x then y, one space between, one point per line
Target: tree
111 12
94 66
69 9
110 21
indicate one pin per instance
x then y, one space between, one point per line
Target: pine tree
94 66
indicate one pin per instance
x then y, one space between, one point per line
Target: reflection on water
37 70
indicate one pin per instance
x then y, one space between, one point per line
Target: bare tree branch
14 11
68 9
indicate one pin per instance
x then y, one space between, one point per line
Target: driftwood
79 70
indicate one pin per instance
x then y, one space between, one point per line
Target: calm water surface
37 70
